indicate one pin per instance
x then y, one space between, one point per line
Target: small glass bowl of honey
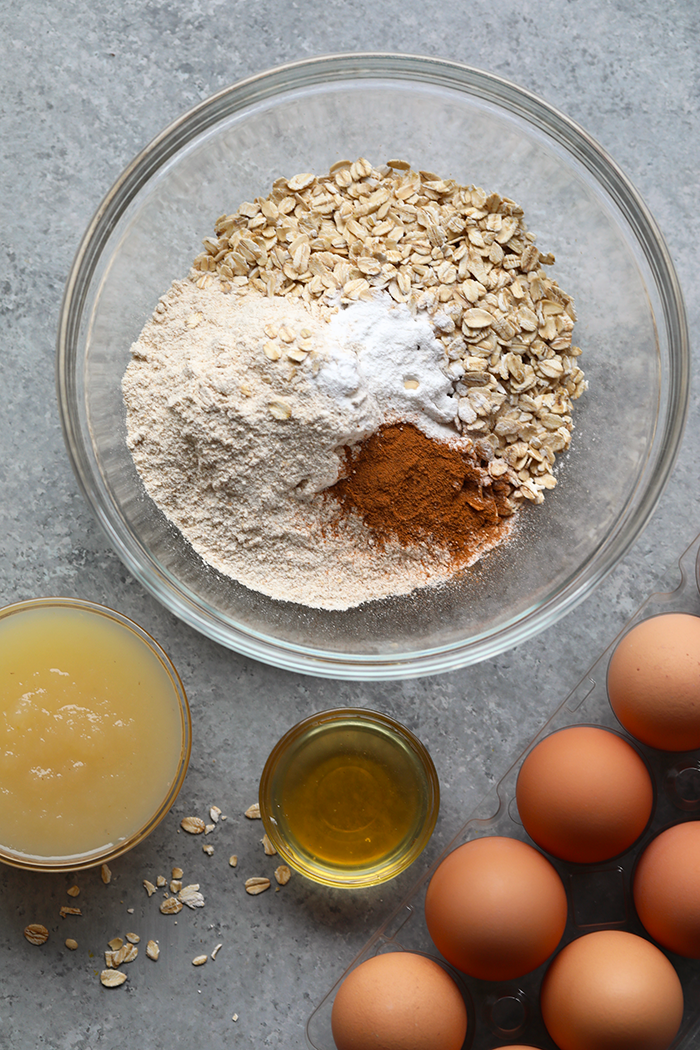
95 734
349 797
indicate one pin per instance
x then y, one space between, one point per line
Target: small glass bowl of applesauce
349 797
95 734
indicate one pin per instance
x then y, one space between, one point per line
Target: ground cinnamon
412 488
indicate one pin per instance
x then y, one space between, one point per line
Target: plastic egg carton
599 895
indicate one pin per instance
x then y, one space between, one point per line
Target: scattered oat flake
112 978
175 885
192 825
36 933
215 952
199 960
209 850
171 906
256 885
253 812
149 887
105 874
70 911
208 828
177 873
161 881
116 943
191 896
127 953
234 1017
129 911
283 874
71 943
109 960
270 850
133 938
152 950
233 860
73 891
214 814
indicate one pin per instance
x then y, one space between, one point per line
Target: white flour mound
236 448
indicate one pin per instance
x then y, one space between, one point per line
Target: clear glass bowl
458 122
120 811
349 797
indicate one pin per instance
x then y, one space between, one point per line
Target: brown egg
584 794
399 1001
654 681
496 908
667 889
611 990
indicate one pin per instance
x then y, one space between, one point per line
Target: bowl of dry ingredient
370 398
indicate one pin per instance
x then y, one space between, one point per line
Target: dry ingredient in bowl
402 483
357 386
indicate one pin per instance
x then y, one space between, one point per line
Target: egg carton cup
599 895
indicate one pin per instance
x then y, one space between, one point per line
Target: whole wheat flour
235 443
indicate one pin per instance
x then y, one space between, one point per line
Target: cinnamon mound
414 489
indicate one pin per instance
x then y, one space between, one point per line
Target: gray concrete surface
83 87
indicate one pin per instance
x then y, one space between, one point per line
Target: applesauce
94 733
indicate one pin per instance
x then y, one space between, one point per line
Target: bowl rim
608 176
102 855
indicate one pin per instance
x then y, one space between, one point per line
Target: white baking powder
379 351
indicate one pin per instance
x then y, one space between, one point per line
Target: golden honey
94 731
349 797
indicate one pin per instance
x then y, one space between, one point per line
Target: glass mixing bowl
458 122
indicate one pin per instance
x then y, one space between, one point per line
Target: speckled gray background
83 87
